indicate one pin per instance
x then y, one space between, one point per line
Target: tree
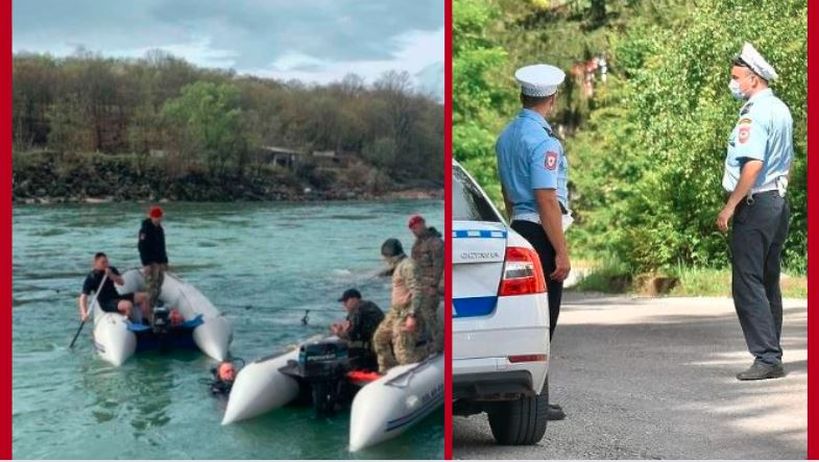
70 130
479 92
649 165
209 116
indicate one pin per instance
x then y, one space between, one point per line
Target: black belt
766 193
749 199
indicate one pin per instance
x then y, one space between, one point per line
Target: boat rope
409 374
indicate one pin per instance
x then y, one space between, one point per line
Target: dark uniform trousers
759 230
534 233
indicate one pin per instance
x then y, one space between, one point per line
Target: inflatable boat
387 407
117 338
319 372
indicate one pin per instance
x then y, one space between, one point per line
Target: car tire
520 422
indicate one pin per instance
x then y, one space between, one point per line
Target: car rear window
468 204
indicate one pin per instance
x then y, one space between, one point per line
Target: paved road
654 379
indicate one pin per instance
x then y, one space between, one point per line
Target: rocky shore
46 178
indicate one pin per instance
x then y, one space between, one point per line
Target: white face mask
733 85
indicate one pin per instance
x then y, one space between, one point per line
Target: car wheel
520 422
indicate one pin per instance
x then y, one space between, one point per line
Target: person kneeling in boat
108 299
400 338
363 318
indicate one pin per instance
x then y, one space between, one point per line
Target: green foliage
478 64
213 119
653 199
209 118
647 151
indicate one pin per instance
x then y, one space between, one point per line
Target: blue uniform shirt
763 132
529 158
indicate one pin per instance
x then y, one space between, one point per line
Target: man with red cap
428 255
153 255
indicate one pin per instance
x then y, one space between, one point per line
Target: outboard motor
162 321
322 366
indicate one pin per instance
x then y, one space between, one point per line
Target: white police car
500 325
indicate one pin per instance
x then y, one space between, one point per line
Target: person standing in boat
363 318
153 255
399 337
108 299
428 256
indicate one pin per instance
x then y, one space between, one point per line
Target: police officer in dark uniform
757 165
363 318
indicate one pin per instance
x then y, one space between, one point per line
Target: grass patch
614 278
608 276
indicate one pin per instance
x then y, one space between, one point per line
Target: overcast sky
310 40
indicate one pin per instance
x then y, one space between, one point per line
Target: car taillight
522 273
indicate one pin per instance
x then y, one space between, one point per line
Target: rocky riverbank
44 178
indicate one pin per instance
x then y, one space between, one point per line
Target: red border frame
448 227
6 230
813 229
5 253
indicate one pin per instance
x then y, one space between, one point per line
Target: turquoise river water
262 264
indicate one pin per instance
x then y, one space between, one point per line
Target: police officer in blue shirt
757 165
534 173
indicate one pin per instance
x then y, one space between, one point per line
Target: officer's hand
84 316
410 324
563 267
724 217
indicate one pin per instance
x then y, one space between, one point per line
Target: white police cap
756 62
539 80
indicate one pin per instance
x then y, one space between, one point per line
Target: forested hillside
157 120
647 144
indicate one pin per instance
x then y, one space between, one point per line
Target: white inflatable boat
387 407
381 408
117 338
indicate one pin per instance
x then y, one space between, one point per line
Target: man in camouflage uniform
400 337
363 318
428 255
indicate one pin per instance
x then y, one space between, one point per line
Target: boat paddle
90 310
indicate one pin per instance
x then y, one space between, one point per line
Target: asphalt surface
654 379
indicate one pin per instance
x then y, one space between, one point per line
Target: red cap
414 220
156 212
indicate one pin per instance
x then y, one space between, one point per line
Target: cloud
417 52
313 40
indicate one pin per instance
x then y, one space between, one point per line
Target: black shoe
555 412
762 371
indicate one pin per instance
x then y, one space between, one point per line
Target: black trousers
536 236
758 236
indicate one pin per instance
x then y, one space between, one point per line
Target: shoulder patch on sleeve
744 133
551 160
